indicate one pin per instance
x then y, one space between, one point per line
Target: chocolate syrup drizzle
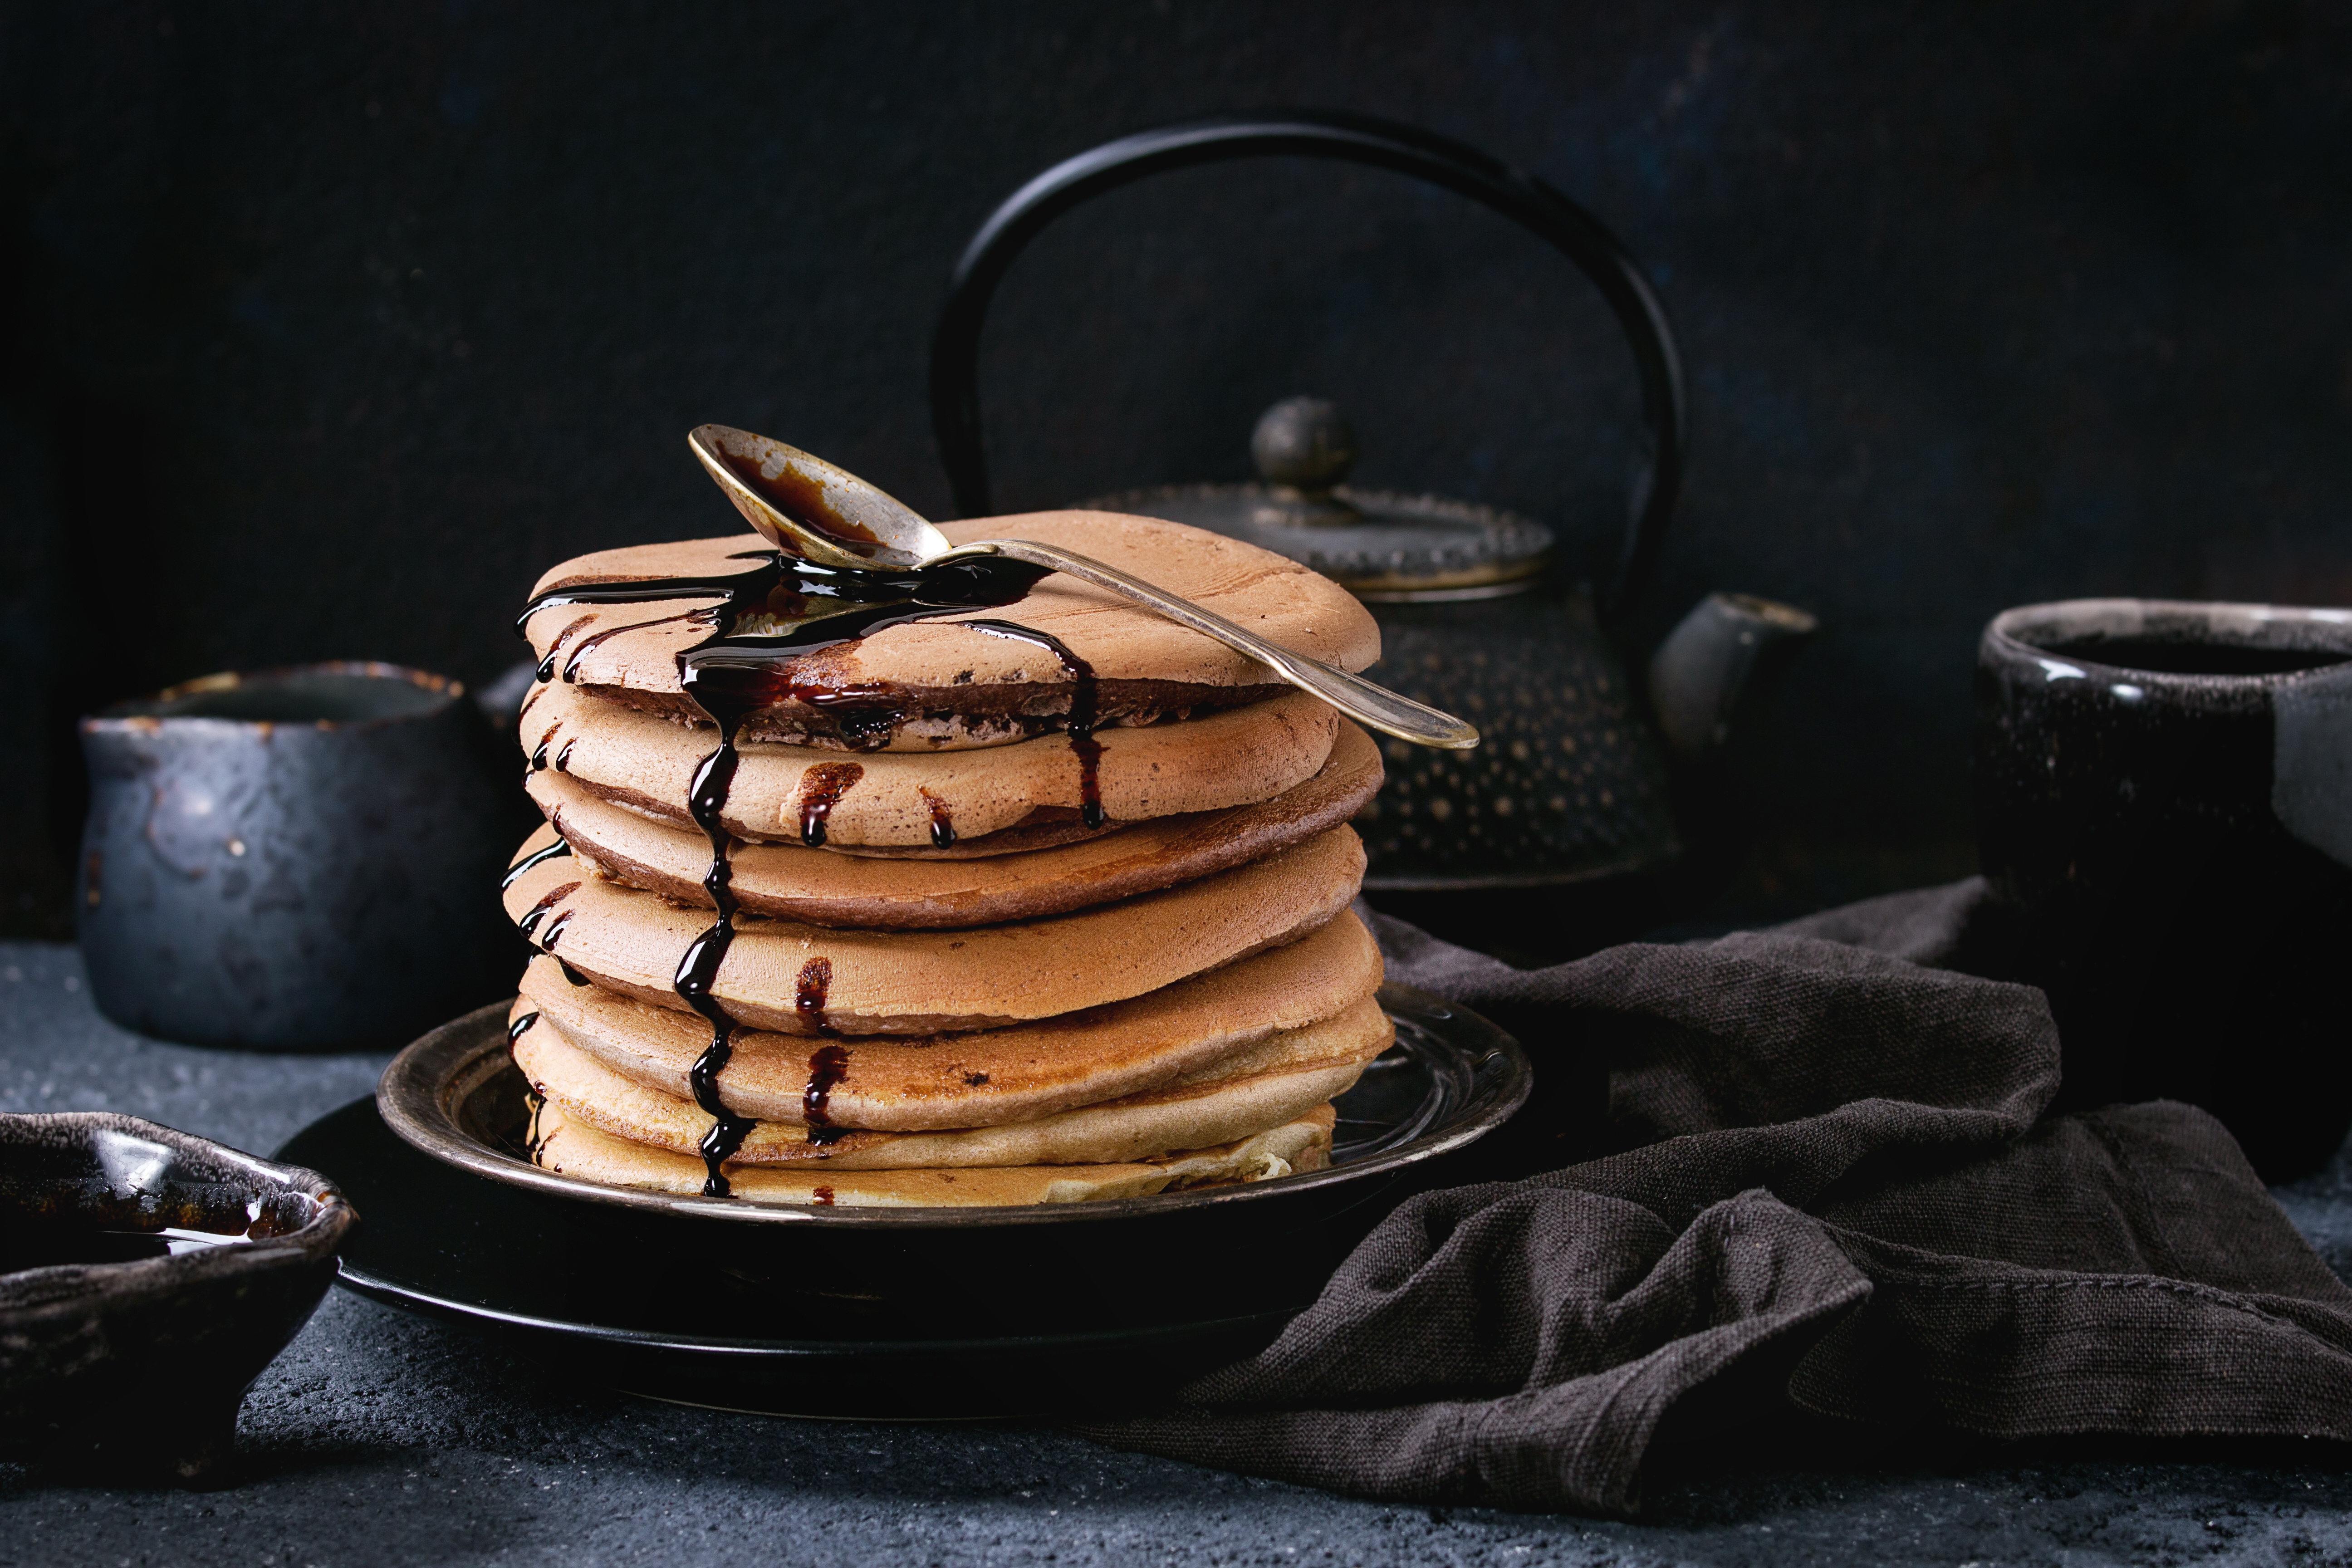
822 788
810 992
538 911
547 665
572 665
1085 709
517 871
827 1068
530 1090
732 675
830 1064
943 833
698 971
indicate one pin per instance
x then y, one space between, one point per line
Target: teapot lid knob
1305 443
1378 544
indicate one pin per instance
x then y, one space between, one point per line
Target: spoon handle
1374 706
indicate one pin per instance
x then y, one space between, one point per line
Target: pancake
945 685
1188 1114
562 1145
802 979
1308 1001
825 888
1237 757
1043 828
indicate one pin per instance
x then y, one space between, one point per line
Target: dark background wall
328 328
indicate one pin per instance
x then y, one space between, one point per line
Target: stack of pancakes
1049 908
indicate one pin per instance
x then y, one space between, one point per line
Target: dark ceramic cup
303 858
2164 810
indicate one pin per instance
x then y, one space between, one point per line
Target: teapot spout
1712 660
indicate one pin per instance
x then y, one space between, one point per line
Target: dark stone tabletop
382 1437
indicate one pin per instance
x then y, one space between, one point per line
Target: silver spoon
837 520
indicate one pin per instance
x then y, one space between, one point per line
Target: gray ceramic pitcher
302 859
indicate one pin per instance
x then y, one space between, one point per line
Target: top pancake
949 686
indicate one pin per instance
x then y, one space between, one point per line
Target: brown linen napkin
1838 1198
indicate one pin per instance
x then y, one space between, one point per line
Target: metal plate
893 1313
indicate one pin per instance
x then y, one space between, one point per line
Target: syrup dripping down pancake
946 686
1237 757
824 887
1310 1001
568 1147
1228 1103
926 982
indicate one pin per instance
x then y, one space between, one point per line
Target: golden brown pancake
562 1145
950 685
802 979
1190 1114
1237 757
1310 1001
825 887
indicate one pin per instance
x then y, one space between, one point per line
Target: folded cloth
1839 1198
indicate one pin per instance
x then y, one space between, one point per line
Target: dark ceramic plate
879 1313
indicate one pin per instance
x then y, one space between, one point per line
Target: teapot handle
1405 148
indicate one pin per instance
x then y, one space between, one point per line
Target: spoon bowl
806 506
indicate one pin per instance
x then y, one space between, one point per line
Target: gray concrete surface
383 1439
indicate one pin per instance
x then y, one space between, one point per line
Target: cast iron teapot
1567 825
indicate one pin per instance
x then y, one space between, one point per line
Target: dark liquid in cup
29 1243
2149 830
2191 658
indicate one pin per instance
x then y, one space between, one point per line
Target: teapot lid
1378 544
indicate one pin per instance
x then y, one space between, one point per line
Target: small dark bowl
117 1357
